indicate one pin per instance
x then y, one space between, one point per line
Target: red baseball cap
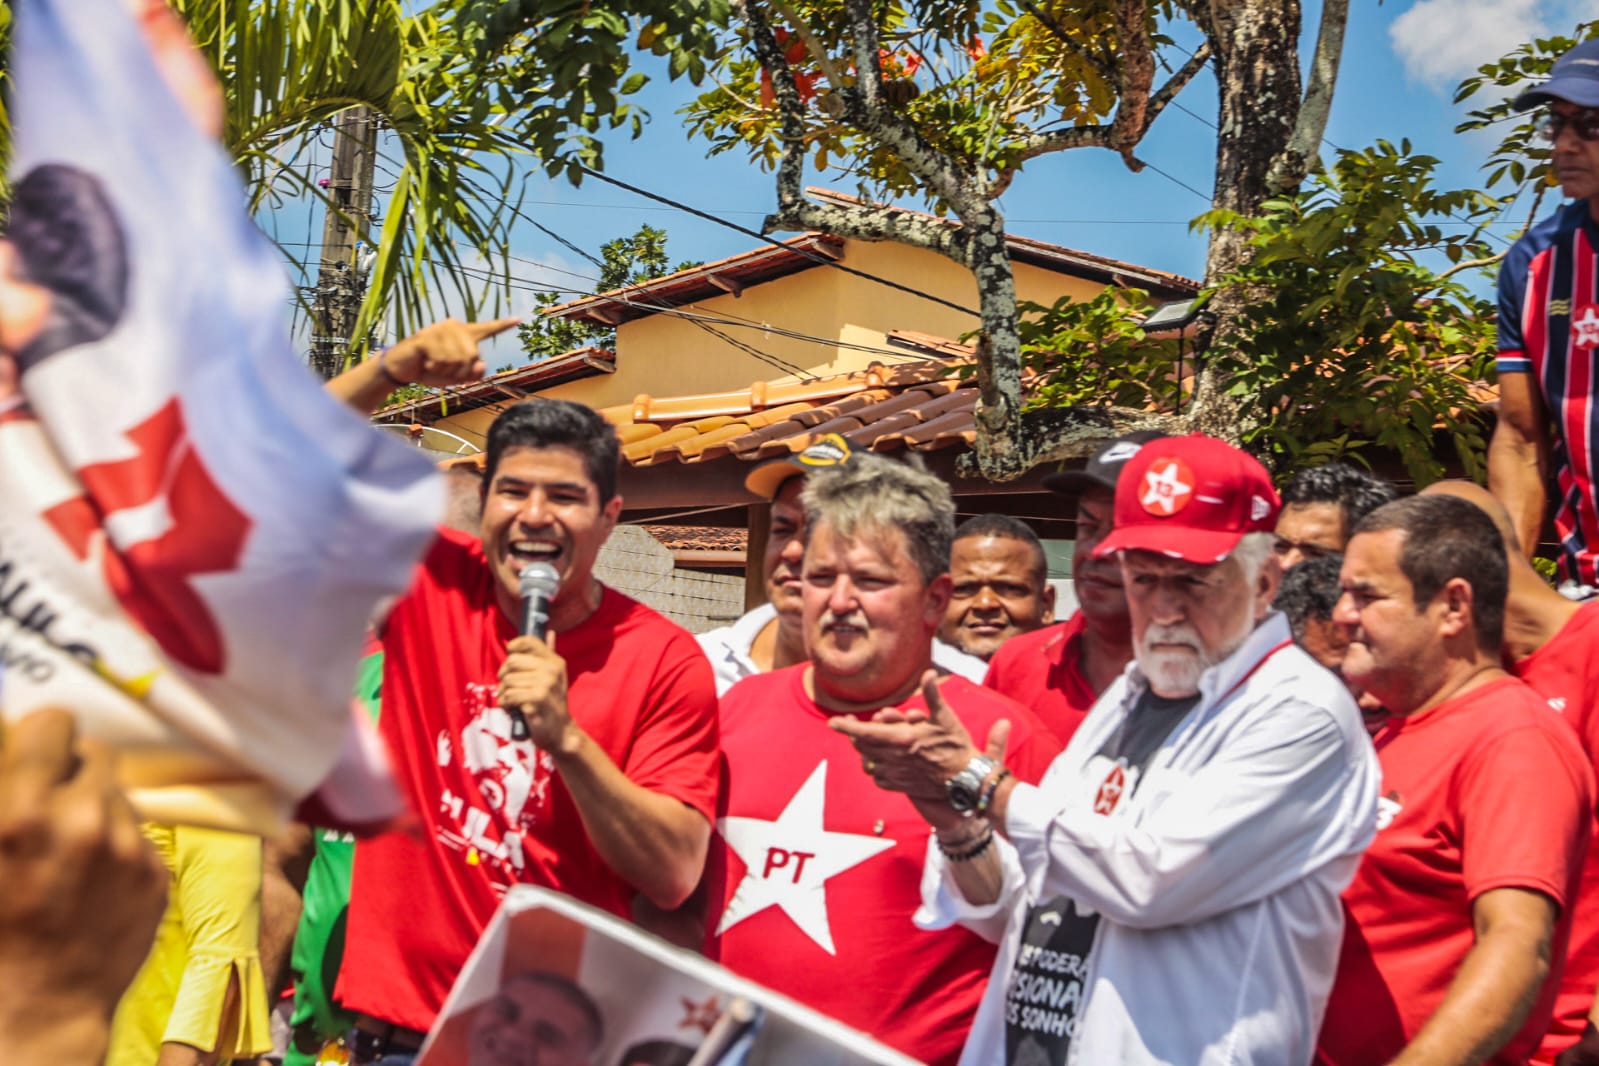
1190 498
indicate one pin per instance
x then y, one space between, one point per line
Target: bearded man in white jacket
1169 892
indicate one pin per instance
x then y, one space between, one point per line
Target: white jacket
728 649
1217 880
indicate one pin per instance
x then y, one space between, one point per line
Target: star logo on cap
1258 508
1168 484
1587 328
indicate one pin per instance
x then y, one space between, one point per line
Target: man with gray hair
1169 893
814 872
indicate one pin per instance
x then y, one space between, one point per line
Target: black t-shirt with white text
1048 981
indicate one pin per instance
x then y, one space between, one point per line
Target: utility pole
341 282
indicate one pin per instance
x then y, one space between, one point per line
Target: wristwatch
965 786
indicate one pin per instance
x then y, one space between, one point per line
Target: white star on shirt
788 861
1587 328
1165 492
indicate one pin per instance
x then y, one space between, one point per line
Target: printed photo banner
590 988
194 535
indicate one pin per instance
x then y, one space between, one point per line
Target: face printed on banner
542 506
535 1020
24 309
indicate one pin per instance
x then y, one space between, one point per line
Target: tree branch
867 110
1175 84
1059 140
1304 143
870 222
1470 263
1137 76
835 77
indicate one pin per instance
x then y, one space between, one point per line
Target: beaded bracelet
987 795
970 852
383 368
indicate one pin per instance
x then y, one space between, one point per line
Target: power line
817 257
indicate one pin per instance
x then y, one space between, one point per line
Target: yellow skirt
209 936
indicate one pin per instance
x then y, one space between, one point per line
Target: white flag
194 534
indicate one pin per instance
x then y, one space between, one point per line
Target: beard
1174 669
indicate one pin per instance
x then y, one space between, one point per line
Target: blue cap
1574 79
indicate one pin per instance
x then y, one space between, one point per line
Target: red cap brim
1204 547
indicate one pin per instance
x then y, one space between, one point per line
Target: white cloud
1439 42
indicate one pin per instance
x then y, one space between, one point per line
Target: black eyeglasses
1584 123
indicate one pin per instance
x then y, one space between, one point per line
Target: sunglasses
1584 123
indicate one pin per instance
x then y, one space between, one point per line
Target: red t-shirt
1042 671
493 812
1565 672
1487 790
814 873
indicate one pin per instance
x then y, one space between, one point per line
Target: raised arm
442 354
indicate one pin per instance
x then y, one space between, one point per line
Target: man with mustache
814 871
770 636
1549 332
1169 893
1060 670
1459 914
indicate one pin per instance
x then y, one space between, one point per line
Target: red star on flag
700 1015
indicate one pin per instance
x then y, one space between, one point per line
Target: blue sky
1401 62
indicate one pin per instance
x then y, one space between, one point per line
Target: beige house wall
668 355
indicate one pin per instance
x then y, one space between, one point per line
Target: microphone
538 584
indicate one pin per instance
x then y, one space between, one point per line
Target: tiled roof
511 384
923 405
700 538
735 273
730 275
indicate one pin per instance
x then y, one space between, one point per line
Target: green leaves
626 261
1355 334
1520 157
1095 352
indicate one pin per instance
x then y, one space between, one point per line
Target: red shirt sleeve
1526 803
677 750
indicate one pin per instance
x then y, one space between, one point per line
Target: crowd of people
1304 777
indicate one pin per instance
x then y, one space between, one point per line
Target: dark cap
1102 469
1574 79
830 449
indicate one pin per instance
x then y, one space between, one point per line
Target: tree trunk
1256 62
